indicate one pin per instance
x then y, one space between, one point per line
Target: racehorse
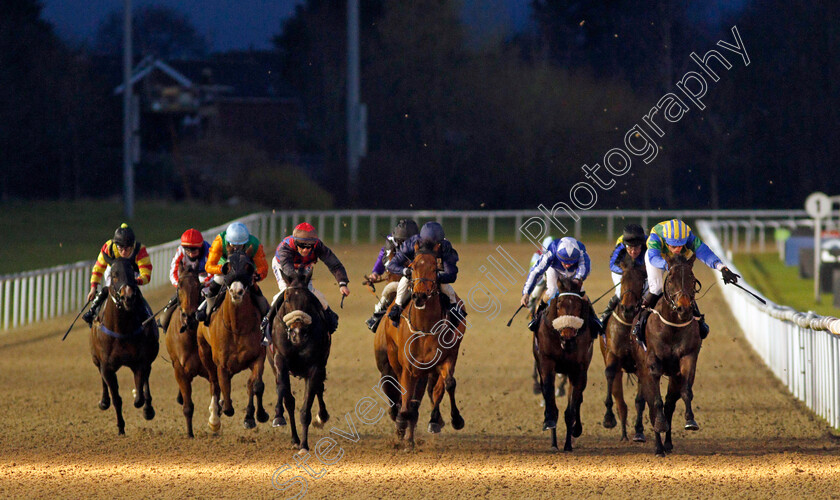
672 346
181 339
563 343
119 339
422 350
300 346
233 343
617 346
562 379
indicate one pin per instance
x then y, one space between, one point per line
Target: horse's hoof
567 448
668 447
458 422
278 422
148 413
121 432
609 421
549 424
249 423
560 392
139 402
624 438
303 451
104 404
229 412
262 416
215 427
317 422
180 398
434 428
660 454
555 449
537 388
691 425
639 438
577 430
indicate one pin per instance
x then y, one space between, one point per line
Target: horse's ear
669 258
437 248
108 259
626 262
692 259
416 246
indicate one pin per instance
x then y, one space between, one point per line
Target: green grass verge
39 234
782 284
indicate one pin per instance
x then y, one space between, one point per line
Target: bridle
671 300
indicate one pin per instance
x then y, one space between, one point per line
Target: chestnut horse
422 350
563 343
673 344
119 339
301 347
181 339
233 343
617 346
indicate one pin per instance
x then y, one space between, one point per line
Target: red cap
192 238
305 232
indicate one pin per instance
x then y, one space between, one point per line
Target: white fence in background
34 296
801 349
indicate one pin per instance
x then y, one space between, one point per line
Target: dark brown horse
233 343
563 344
301 347
181 339
672 346
562 379
617 347
421 351
120 339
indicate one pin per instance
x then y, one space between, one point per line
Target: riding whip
608 291
342 301
77 318
749 292
514 315
153 316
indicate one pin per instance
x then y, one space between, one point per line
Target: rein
672 303
675 325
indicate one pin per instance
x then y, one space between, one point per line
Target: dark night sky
239 24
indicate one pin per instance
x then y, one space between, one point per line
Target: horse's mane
426 246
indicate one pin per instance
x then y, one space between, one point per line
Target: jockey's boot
163 322
378 311
614 301
206 307
394 314
701 321
94 308
534 325
332 319
595 326
268 319
648 303
458 313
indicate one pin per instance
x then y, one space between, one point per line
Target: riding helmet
568 250
676 232
305 233
124 236
192 238
406 228
237 234
634 235
432 231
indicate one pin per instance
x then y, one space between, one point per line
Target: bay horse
672 346
562 379
233 342
617 348
181 340
421 351
120 339
563 343
300 346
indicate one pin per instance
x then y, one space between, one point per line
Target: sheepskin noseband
561 322
297 316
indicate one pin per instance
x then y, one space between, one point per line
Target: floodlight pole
128 157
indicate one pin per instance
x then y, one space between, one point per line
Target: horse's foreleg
652 394
547 376
224 385
185 390
674 384
105 400
408 382
435 387
323 415
284 393
148 409
249 422
314 385
618 394
610 372
259 390
110 378
139 399
450 384
688 367
414 411
574 426
639 437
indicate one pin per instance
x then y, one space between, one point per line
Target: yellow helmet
676 232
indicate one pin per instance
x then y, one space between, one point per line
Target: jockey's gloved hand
729 276
407 272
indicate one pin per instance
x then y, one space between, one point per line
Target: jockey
301 251
539 289
123 244
564 257
431 231
193 252
674 237
235 238
631 243
405 229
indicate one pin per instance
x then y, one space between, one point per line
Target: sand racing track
755 439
